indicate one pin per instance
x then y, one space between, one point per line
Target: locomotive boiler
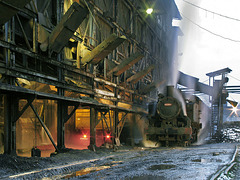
168 123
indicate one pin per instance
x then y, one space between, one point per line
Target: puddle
85 171
161 167
206 160
113 163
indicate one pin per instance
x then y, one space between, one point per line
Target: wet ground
195 162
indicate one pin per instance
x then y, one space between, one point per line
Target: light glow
234 109
85 136
149 10
108 136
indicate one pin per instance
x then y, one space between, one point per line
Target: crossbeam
44 127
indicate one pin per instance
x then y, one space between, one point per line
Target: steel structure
217 94
81 54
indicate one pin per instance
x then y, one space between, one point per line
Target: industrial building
74 72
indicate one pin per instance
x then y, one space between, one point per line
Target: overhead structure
126 64
61 34
193 83
136 77
218 99
219 72
9 8
103 49
217 95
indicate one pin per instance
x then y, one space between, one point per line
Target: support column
62 110
116 120
93 118
10 113
116 135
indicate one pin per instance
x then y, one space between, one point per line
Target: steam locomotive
168 123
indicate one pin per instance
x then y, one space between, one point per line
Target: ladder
214 119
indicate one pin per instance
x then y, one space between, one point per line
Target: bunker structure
70 66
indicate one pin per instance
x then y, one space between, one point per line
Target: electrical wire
235 19
233 77
209 30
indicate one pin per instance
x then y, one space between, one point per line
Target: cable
235 19
234 77
209 30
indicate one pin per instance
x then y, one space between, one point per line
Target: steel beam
62 111
10 113
120 124
45 59
44 127
20 113
193 83
93 120
67 116
219 72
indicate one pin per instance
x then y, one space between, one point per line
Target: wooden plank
61 34
136 77
103 49
126 64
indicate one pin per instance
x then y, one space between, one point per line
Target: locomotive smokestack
170 90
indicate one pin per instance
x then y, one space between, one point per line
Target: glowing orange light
84 136
108 136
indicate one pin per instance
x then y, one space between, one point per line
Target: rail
226 168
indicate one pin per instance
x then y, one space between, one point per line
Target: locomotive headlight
168 104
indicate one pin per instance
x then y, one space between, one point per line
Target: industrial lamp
149 10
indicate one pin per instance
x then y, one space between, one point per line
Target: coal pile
230 134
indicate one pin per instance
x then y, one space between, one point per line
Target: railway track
224 171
